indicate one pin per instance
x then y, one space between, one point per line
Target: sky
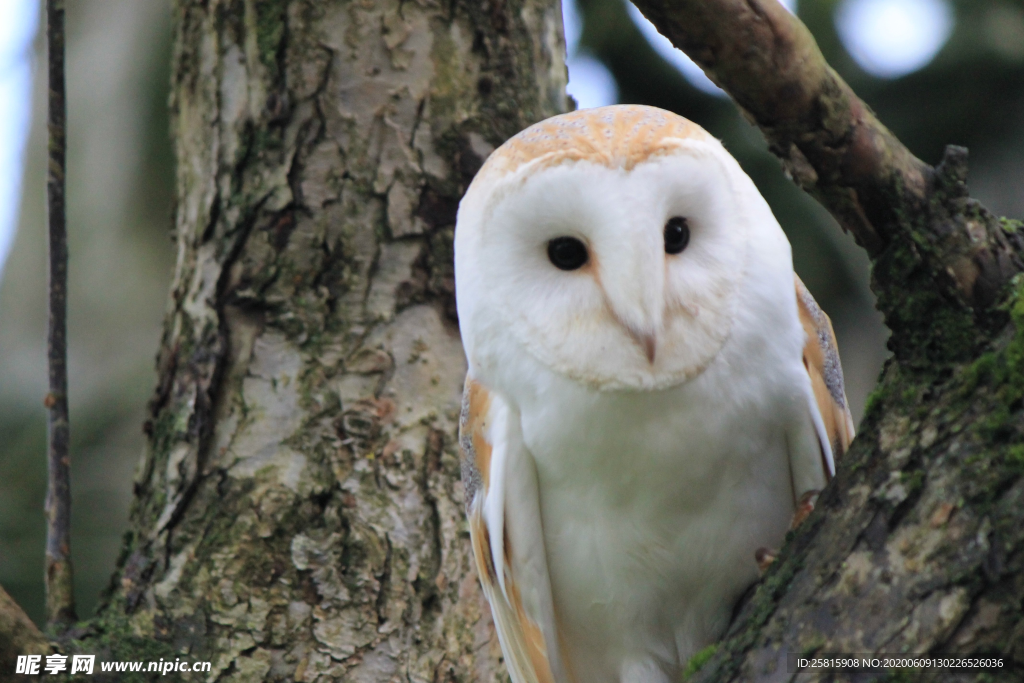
18 19
887 38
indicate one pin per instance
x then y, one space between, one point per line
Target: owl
652 393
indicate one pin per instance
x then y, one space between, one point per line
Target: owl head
610 245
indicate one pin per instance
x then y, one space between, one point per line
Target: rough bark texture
298 514
18 635
298 511
918 544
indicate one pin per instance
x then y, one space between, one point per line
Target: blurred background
119 194
935 71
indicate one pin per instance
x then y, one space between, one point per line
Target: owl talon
804 507
764 558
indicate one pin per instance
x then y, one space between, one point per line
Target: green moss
975 458
986 401
980 400
876 399
978 372
1010 225
762 606
698 660
813 644
902 676
929 325
271 27
112 638
912 481
1015 350
1004 371
1015 457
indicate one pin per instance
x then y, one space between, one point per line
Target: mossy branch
830 142
917 545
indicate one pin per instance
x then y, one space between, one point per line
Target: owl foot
804 507
764 558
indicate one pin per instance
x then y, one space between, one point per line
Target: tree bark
18 635
298 511
918 544
298 515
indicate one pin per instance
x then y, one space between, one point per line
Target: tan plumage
521 636
821 358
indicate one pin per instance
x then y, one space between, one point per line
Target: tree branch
60 598
829 140
917 545
18 635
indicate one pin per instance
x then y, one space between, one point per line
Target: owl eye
677 235
567 253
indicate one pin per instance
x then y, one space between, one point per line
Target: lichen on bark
298 514
917 546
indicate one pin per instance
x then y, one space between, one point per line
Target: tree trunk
298 511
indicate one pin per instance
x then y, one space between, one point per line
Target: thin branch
828 139
60 596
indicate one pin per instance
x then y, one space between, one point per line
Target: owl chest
652 509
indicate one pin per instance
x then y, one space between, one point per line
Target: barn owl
652 392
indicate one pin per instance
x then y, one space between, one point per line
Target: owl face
609 244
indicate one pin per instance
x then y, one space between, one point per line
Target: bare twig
829 141
60 596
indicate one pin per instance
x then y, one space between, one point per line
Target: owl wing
503 507
829 409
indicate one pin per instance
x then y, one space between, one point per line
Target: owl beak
649 347
648 341
645 337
